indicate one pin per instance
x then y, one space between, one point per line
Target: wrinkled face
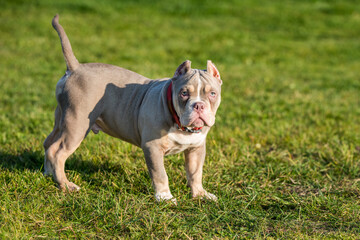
196 97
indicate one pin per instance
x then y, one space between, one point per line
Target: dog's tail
71 61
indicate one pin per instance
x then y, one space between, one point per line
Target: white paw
165 196
69 186
210 196
205 195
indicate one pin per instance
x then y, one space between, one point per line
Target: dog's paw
210 196
69 187
205 195
165 196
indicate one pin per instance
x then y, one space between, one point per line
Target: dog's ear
183 68
212 70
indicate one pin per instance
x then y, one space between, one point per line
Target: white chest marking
179 141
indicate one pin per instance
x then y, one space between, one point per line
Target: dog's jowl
162 117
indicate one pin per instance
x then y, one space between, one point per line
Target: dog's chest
177 141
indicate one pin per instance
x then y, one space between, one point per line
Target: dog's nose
199 106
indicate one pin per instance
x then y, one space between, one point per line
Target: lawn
283 157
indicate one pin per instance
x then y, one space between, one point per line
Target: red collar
175 116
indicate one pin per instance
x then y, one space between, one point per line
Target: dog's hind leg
53 136
69 131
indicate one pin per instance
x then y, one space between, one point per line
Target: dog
162 117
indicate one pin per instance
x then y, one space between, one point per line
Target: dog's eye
184 93
212 94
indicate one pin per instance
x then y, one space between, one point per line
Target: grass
283 157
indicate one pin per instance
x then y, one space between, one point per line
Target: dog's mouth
199 122
196 120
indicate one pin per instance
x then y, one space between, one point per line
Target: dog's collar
175 116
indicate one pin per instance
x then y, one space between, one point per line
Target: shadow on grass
31 160
91 172
34 161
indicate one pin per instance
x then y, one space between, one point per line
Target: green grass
283 157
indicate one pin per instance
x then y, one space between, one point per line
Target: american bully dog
162 117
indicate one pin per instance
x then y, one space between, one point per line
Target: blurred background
286 142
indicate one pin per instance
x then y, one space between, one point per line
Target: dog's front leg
194 161
155 162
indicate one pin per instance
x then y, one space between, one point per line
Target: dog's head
196 94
